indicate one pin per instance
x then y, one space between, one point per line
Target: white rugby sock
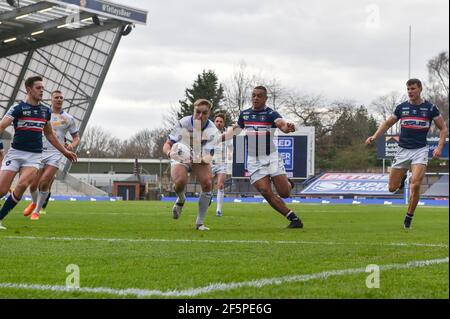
220 196
41 200
34 196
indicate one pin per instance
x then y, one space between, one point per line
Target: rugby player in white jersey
200 135
219 164
62 123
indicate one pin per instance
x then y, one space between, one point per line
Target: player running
30 119
199 134
415 118
219 163
264 164
62 123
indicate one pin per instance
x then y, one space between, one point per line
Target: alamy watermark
373 280
73 279
373 16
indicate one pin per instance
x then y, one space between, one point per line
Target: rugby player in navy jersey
264 164
415 116
30 119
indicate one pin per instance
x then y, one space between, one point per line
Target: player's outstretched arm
231 132
285 126
391 120
440 124
50 135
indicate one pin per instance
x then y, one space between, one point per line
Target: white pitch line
214 287
231 241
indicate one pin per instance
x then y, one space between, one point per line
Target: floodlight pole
409 54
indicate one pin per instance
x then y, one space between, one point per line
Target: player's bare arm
285 126
75 142
4 123
386 125
167 148
231 132
51 137
440 124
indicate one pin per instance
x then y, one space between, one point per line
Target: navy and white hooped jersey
29 122
415 122
259 129
184 132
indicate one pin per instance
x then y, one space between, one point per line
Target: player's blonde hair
203 102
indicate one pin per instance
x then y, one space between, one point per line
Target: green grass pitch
248 253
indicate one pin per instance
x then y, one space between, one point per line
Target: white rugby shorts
262 166
16 159
406 157
51 158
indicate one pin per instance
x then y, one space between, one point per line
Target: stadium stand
439 188
71 44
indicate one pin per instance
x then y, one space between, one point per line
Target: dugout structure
70 43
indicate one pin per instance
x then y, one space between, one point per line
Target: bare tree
309 110
138 146
437 90
438 72
96 142
238 91
275 91
385 105
171 117
159 137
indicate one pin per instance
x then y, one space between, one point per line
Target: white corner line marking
258 283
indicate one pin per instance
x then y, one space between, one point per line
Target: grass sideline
138 245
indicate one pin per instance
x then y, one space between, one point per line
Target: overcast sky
348 49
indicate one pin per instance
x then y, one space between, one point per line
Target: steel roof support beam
20 78
33 8
58 37
41 26
94 97
60 72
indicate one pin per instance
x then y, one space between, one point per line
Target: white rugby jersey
61 124
208 137
222 151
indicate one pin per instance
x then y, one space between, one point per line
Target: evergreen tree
206 86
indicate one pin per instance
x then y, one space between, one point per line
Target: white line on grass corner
230 241
214 287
